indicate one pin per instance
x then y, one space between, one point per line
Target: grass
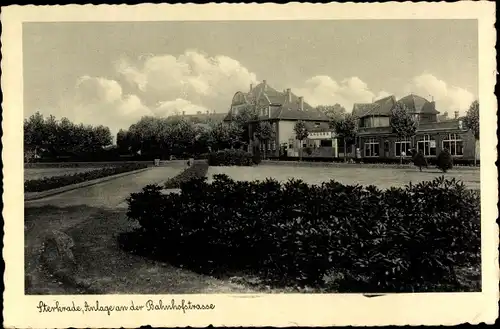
380 177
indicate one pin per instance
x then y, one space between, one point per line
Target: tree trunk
345 150
475 154
300 150
420 167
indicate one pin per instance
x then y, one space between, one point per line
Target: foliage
401 239
198 170
334 112
230 157
346 128
419 159
472 118
300 130
48 135
309 150
444 160
265 133
225 135
402 122
48 183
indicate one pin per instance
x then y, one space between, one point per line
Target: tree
265 133
225 135
444 160
301 133
472 123
346 128
334 112
246 115
419 160
402 124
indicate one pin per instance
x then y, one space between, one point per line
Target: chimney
289 95
251 86
264 83
456 114
301 103
207 112
183 113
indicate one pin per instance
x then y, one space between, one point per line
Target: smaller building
376 140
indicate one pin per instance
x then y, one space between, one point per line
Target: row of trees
52 137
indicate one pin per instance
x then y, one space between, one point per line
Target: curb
349 165
62 189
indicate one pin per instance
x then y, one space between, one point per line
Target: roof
281 109
382 107
417 104
450 125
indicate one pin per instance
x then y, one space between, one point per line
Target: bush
48 183
419 160
197 170
230 157
401 239
444 160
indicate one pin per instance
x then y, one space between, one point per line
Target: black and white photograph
289 157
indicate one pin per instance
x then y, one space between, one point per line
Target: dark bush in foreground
230 157
47 183
342 237
444 160
197 170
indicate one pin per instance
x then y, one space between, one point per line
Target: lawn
380 177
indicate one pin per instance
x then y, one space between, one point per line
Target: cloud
323 90
191 76
447 97
178 106
100 101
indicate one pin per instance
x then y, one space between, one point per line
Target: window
316 124
372 148
268 146
454 144
290 143
403 145
274 145
427 146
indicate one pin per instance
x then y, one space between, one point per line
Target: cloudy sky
114 73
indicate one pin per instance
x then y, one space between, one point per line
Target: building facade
283 110
376 140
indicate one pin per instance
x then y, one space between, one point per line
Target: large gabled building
376 140
282 110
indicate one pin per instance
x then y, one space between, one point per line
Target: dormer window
316 124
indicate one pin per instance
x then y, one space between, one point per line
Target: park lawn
381 177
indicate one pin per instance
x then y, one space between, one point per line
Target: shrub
444 160
230 157
400 239
419 160
197 170
47 183
256 159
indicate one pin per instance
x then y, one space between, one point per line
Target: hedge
430 160
197 170
343 238
48 183
231 157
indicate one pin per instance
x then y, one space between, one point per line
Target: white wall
285 131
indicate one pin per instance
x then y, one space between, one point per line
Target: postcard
249 165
